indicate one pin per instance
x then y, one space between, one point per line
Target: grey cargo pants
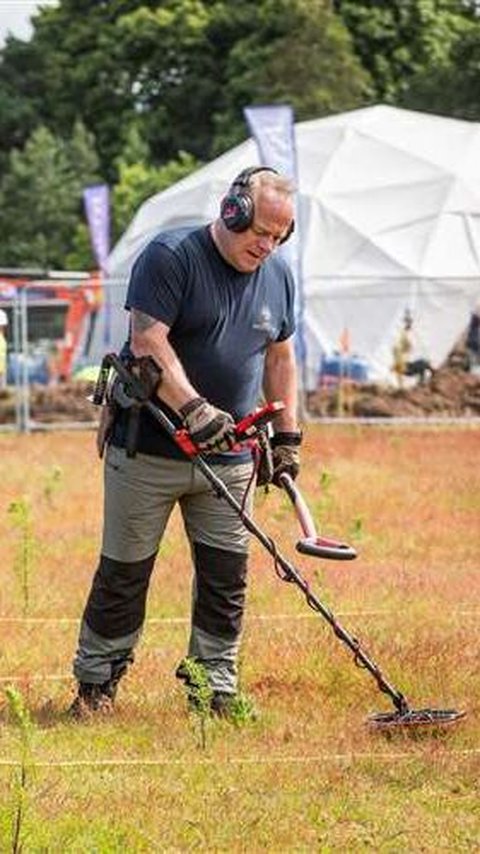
140 494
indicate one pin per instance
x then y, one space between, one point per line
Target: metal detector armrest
311 544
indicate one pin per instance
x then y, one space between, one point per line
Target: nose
267 242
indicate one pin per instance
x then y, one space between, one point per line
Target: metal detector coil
414 719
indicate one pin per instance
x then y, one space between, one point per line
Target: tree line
138 93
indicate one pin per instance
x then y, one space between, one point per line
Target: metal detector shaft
290 572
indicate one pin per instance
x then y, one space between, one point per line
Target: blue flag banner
97 211
273 129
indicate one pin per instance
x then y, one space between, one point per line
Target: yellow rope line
247 760
267 618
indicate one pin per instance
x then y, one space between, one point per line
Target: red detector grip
245 429
248 427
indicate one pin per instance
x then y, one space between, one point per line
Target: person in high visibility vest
3 348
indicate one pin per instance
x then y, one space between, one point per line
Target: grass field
307 774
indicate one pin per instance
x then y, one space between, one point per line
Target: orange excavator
57 311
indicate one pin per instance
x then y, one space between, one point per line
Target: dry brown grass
308 775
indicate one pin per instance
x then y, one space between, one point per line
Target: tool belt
116 399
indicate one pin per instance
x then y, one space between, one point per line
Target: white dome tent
389 220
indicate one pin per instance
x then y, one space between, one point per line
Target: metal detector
248 428
312 544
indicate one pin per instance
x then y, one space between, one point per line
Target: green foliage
21 718
399 39
453 87
291 51
179 72
80 255
41 197
52 483
199 694
138 181
20 513
357 528
136 93
242 710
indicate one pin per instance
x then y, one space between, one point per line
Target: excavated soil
449 392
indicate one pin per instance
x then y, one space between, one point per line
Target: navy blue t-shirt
221 323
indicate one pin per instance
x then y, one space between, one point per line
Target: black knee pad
116 604
220 595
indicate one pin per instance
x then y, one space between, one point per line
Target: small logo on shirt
263 322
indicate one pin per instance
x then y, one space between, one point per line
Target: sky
15 17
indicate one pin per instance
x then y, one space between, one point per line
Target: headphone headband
243 179
237 209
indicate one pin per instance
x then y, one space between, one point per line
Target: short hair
268 179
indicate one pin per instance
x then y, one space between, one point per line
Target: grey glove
210 428
286 454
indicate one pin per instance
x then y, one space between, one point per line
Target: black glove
210 428
286 455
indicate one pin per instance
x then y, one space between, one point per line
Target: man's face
247 250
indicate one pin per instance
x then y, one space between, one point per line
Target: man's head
256 216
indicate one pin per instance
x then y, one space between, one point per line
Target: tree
296 52
453 88
41 198
138 181
399 39
180 71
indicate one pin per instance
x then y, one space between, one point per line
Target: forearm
149 338
280 383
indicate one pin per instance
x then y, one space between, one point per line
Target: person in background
473 339
3 348
214 307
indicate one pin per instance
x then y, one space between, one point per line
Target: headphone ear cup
237 211
289 232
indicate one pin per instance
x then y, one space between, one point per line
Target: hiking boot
92 700
222 704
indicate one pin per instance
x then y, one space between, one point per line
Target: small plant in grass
52 483
242 710
326 480
21 717
20 513
357 529
323 504
199 694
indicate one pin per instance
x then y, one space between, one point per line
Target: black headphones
237 209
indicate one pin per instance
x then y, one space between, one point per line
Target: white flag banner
273 129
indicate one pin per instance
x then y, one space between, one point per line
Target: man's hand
210 428
286 455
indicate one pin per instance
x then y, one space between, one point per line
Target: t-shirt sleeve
287 327
156 283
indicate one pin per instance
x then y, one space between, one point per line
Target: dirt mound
66 402
450 392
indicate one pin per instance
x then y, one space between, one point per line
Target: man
3 348
213 306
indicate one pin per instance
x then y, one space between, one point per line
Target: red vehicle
61 310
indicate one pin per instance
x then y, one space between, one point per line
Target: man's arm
280 382
149 337
210 428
